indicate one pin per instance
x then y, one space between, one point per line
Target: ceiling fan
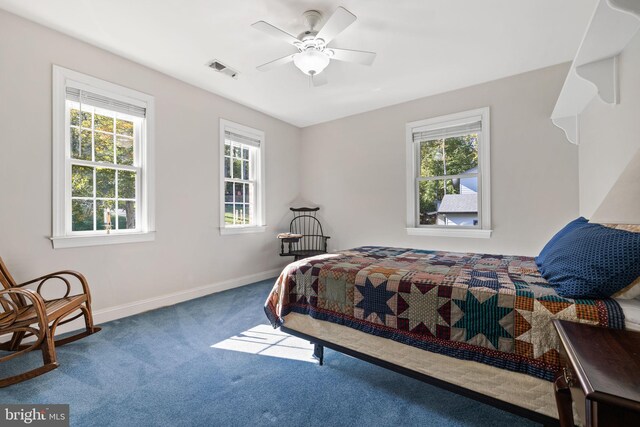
313 55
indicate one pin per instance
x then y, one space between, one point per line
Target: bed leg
318 353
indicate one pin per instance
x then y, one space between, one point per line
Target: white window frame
62 236
483 230
259 185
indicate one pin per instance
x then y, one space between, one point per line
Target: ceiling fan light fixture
311 62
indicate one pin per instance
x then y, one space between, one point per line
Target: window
102 162
242 181
448 183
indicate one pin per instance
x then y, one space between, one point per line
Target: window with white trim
448 180
242 180
102 162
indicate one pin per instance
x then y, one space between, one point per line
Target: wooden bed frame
318 353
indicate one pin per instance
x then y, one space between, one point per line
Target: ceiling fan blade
275 32
319 79
276 63
336 24
357 56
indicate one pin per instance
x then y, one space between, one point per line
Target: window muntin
104 169
448 179
239 183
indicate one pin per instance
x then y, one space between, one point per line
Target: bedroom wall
188 257
610 135
354 168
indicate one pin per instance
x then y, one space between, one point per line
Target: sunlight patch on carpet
266 341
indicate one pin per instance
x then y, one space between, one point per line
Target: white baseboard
136 307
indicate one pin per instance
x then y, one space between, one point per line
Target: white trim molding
450 232
62 235
136 307
483 229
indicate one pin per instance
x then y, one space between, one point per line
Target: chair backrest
305 222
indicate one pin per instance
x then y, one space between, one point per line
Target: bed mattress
631 311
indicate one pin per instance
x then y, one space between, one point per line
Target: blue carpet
159 369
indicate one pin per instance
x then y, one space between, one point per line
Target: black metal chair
305 237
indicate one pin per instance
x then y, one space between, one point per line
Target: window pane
239 193
227 167
228 192
105 182
247 214
245 169
247 193
126 215
104 147
126 185
75 117
86 119
81 215
124 150
105 214
245 154
239 213
432 158
81 181
461 154
236 152
228 213
227 149
124 127
451 202
103 123
237 166
80 144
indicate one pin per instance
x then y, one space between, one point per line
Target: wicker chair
26 313
305 237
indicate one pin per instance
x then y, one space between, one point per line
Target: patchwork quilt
493 309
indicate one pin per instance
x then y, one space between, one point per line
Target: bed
484 320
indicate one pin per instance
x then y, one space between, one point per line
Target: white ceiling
424 47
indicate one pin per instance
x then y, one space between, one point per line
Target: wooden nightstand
600 374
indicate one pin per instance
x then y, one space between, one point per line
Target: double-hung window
448 175
242 181
102 162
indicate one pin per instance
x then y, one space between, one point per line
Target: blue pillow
576 223
593 261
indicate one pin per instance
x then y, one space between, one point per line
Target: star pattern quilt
493 309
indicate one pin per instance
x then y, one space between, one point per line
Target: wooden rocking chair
26 313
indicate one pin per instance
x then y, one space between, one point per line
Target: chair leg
16 339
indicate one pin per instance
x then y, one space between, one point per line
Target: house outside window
242 178
448 179
103 168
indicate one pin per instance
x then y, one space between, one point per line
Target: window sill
242 230
99 240
449 232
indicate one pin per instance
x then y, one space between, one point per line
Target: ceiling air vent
221 68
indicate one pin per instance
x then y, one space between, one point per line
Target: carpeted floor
159 369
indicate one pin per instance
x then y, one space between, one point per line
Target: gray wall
610 135
354 168
188 252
